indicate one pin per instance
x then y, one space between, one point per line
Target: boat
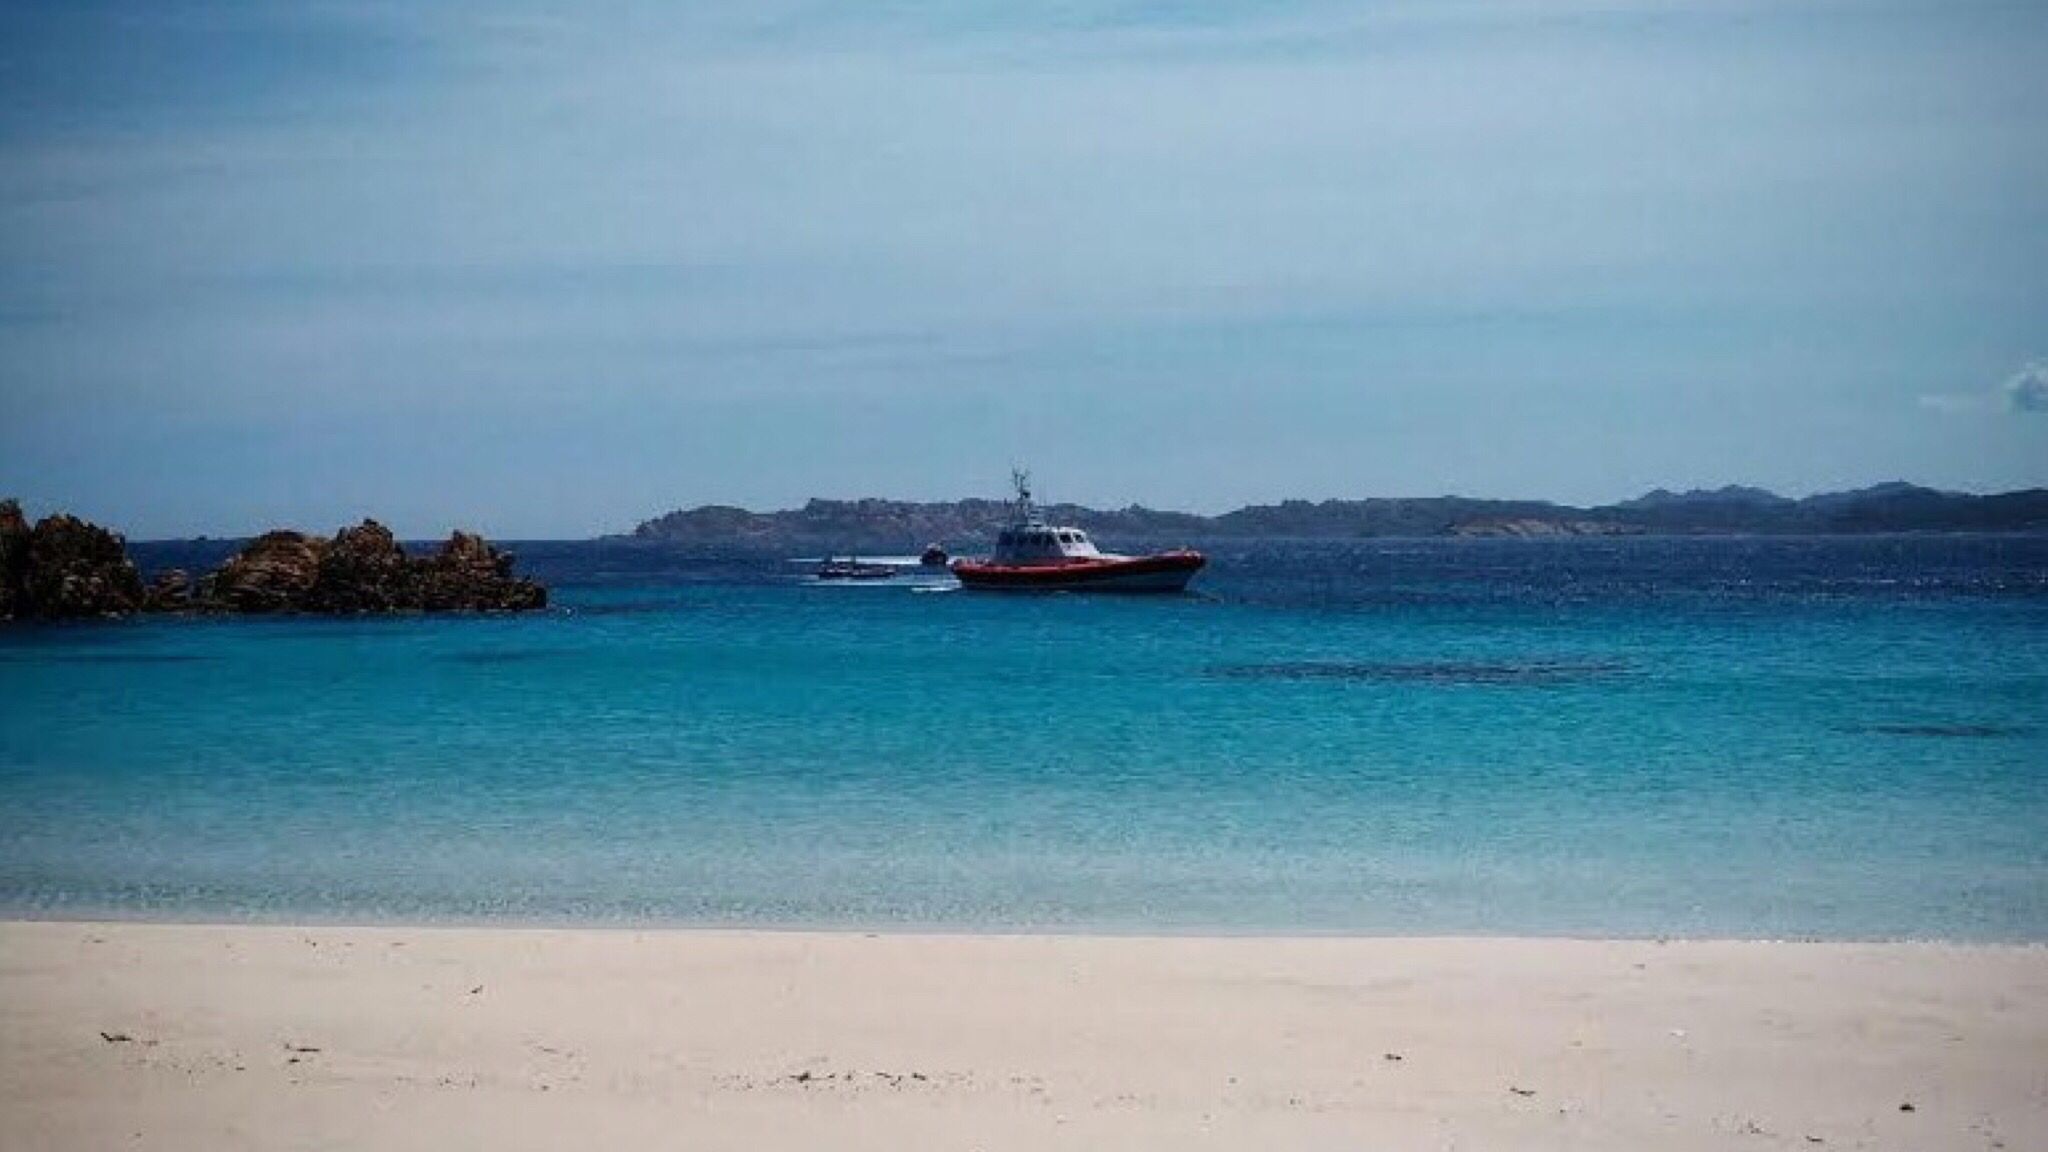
1034 556
933 556
852 568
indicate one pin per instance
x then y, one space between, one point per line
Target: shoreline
177 1035
943 931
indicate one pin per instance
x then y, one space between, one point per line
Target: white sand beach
199 1037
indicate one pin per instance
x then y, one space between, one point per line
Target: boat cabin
1043 544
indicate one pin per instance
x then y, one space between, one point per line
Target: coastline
273 1036
342 921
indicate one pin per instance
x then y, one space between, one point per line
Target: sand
194 1037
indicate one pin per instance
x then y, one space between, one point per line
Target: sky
548 269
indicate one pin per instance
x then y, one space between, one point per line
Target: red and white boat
1033 556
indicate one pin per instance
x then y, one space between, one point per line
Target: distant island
1734 510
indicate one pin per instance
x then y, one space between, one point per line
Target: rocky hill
895 525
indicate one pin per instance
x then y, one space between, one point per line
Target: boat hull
1164 572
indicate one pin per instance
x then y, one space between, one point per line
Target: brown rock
468 575
77 570
169 591
14 533
275 573
363 570
65 567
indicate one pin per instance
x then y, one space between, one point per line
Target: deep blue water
1836 738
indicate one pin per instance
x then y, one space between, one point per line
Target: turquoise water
1650 738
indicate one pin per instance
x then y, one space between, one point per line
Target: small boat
1033 556
852 568
933 556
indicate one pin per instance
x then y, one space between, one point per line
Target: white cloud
1955 403
2024 391
2027 389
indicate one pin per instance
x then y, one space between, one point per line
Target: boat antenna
1020 479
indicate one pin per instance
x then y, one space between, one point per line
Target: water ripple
1945 731
489 656
1535 672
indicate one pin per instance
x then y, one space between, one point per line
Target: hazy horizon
547 270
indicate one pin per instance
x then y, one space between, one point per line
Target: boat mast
1020 479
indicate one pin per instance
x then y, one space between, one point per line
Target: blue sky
546 269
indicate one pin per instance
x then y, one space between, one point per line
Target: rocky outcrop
64 569
275 573
168 591
363 570
14 534
468 575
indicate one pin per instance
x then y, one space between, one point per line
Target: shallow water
1737 737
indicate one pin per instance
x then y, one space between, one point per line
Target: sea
1731 737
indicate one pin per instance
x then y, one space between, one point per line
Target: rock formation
13 558
363 570
66 568
169 591
63 568
468 574
275 573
